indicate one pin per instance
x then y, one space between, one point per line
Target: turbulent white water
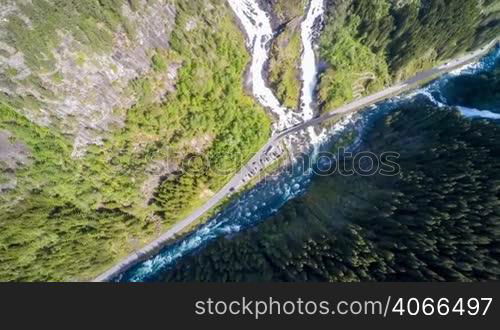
253 206
309 65
433 92
476 113
257 25
466 112
428 93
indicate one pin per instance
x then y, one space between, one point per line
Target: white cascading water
309 66
264 200
466 112
257 25
476 113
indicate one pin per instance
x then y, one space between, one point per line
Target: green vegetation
368 44
92 22
286 51
159 63
71 218
286 10
284 72
351 63
210 92
437 221
48 233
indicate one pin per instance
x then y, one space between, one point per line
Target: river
267 197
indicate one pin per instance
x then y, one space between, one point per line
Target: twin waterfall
265 199
257 25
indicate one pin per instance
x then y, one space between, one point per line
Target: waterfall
309 68
476 113
257 25
265 199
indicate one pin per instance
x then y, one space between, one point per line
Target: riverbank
169 237
378 227
411 84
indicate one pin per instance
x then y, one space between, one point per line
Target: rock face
85 92
13 155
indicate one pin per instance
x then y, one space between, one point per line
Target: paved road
256 165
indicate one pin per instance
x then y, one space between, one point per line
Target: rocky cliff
115 113
71 66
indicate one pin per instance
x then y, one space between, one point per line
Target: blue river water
267 197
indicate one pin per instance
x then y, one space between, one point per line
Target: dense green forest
368 44
72 218
475 91
439 220
67 217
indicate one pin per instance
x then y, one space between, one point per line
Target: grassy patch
284 68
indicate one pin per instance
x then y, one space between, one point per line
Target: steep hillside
70 64
369 44
105 106
119 117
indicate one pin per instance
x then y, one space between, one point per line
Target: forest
92 22
438 220
70 219
475 91
369 44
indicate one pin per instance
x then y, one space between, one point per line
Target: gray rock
84 93
13 155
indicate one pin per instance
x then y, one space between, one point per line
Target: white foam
259 32
476 113
257 25
427 93
309 68
466 112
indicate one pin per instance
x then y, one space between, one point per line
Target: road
257 163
